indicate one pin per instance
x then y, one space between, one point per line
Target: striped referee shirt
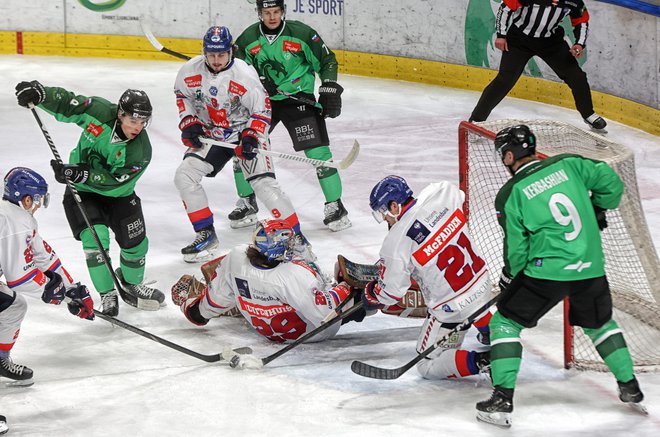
542 18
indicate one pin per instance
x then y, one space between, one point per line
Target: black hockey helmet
135 103
261 4
518 139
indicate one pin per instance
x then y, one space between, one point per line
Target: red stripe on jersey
30 275
6 346
582 19
512 4
461 363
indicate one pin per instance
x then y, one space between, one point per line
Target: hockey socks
611 346
328 177
98 271
132 262
506 350
243 187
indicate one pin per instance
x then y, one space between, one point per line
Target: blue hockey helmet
273 238
518 139
389 189
217 39
21 182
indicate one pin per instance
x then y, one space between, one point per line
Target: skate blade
638 407
19 383
3 428
149 304
250 220
203 256
340 225
503 420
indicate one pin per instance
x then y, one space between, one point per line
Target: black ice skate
20 375
482 361
148 299
596 123
245 213
497 410
630 393
110 303
336 216
203 248
3 424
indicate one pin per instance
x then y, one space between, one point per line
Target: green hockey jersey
291 59
546 212
115 162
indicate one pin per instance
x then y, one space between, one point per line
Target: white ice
93 379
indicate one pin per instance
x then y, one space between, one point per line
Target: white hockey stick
341 165
157 45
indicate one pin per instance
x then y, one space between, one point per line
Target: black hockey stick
126 297
157 339
369 371
161 48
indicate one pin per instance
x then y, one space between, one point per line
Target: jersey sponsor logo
305 132
259 126
433 218
263 311
418 232
446 233
193 81
243 288
254 50
94 129
236 88
290 46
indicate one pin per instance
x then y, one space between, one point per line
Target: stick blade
351 157
369 371
146 30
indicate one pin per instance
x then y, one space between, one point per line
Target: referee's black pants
554 51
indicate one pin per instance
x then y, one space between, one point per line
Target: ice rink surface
93 379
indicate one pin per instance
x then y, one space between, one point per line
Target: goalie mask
390 189
21 182
518 139
274 239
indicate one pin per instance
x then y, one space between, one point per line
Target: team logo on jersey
254 50
446 308
290 46
213 91
243 288
193 81
446 233
418 232
236 88
94 129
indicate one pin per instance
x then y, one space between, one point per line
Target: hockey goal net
631 261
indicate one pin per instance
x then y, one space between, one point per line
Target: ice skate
336 216
110 303
482 361
3 424
631 395
497 410
20 375
203 248
245 213
483 338
596 123
148 299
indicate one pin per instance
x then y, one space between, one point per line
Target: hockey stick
235 360
369 371
337 311
341 165
126 297
157 339
146 29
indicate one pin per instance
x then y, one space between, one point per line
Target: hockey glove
30 92
76 173
330 98
370 301
81 304
249 145
269 85
191 129
505 280
601 217
54 289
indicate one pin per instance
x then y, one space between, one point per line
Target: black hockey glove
330 98
601 217
30 92
247 149
370 301
269 85
191 129
505 280
81 304
54 289
76 173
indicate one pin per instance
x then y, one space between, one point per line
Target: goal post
631 261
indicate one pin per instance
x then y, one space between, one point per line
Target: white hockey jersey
226 102
282 303
431 243
24 255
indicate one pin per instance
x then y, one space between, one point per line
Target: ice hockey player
288 55
428 239
280 295
551 212
30 267
111 155
222 98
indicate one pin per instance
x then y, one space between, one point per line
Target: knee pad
190 173
268 190
14 314
88 241
322 152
